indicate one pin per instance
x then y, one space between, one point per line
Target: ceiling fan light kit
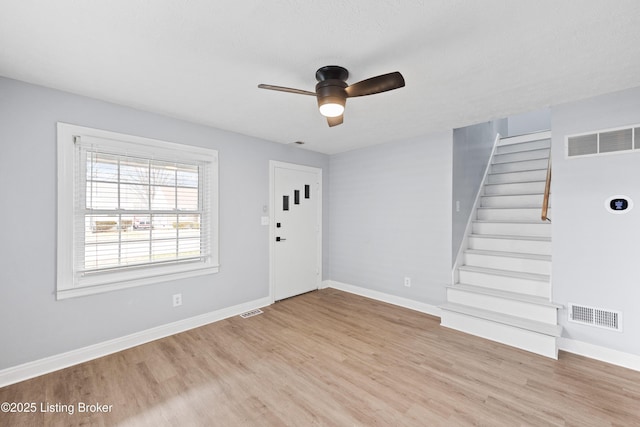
332 90
330 109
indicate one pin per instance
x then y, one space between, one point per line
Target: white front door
296 244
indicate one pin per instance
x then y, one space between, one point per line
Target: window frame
69 283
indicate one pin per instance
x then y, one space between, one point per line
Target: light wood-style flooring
330 358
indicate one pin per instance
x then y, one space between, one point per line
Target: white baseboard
592 351
33 369
381 296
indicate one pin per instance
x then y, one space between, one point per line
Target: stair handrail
547 191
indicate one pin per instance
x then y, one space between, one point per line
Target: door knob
280 239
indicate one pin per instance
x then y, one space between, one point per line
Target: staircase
502 287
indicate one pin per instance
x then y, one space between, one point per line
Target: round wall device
618 204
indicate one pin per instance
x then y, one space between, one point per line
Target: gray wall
472 146
391 217
33 324
387 214
595 253
533 121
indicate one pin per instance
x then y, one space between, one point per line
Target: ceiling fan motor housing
331 92
332 72
331 85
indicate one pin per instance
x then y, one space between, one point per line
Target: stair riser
519 166
524 214
523 265
503 178
536 187
520 156
523 146
510 245
530 200
503 283
512 229
526 340
522 309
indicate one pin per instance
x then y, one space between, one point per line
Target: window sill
130 283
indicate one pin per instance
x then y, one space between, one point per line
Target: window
132 211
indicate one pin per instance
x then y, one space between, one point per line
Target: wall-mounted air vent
605 141
582 145
251 313
601 318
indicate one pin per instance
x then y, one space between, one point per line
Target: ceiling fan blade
286 89
376 84
335 121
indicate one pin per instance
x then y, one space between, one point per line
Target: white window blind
143 211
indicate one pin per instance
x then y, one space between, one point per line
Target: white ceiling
464 61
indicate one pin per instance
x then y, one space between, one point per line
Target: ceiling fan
332 90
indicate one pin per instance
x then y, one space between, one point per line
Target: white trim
326 284
603 354
384 297
592 132
472 215
635 144
49 364
134 282
68 283
273 164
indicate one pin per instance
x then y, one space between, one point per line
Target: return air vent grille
617 140
598 317
251 313
606 141
583 145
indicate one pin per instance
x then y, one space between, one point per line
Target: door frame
273 164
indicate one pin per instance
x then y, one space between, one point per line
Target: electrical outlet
407 282
177 300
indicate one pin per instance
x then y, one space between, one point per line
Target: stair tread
525 170
541 144
522 151
509 254
516 296
517 161
506 237
537 181
505 208
526 137
511 207
509 273
530 325
533 192
511 221
511 195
